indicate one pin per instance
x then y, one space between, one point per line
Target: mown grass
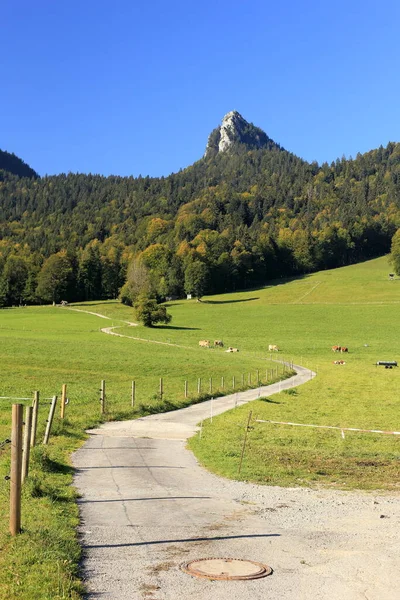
357 307
44 347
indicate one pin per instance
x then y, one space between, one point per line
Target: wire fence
14 398
329 427
4 444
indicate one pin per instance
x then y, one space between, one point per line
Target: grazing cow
336 348
273 348
230 349
339 362
219 343
344 349
204 343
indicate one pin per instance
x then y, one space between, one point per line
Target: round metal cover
226 568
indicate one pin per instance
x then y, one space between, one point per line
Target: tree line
230 221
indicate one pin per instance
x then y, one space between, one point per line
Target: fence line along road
329 427
14 398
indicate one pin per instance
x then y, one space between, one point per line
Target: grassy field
44 347
40 349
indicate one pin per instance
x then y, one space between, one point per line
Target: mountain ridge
11 163
248 212
235 130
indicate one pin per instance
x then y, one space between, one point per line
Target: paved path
147 506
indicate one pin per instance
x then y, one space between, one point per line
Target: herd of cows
217 343
271 348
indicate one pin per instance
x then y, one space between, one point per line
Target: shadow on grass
229 301
270 401
177 328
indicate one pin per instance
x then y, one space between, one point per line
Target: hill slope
12 164
248 211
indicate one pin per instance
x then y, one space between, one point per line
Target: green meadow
43 347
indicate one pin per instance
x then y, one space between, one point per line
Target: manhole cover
226 568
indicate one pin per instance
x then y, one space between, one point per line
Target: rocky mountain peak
235 131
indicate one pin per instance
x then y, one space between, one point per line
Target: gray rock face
232 124
233 131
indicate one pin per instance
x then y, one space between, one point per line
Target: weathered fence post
16 465
63 399
34 418
222 382
26 446
161 388
199 386
249 378
258 377
133 393
266 374
103 397
244 441
50 420
242 379
233 382
186 388
210 385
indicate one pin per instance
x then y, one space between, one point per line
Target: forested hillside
13 164
232 220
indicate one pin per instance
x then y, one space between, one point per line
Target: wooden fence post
103 397
199 386
34 418
27 439
249 378
63 399
245 440
133 393
210 385
258 377
186 388
50 420
266 374
16 464
242 379
233 382
161 388
222 382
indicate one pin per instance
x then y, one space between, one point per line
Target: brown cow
336 348
204 343
344 349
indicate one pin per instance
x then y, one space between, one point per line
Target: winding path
110 330
146 506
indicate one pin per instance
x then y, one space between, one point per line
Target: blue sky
131 87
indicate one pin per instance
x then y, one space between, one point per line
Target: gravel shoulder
147 506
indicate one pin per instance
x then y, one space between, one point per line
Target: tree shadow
229 301
83 304
177 328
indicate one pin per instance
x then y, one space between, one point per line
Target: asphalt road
147 507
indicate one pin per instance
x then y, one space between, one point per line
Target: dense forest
232 220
